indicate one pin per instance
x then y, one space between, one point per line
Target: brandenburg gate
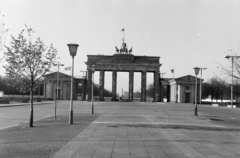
124 61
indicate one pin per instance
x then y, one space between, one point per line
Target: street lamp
73 51
229 56
201 85
161 75
56 98
85 74
93 70
196 73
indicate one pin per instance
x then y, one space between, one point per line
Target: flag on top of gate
68 68
172 70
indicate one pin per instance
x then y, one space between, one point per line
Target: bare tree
234 59
28 62
232 72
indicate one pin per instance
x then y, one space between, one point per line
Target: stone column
176 101
61 89
193 93
101 87
68 90
89 85
179 94
114 85
53 90
154 97
143 88
168 93
160 92
156 85
131 79
83 90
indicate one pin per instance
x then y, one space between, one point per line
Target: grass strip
43 140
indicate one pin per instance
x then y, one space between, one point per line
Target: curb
24 104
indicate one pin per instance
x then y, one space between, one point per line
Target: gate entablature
124 62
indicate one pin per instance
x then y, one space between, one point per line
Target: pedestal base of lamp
71 117
196 111
92 108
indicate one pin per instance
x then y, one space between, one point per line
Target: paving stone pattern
149 136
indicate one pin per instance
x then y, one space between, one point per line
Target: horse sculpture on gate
123 49
117 50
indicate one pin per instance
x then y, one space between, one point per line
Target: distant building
180 90
64 87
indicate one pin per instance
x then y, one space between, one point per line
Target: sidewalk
156 135
23 104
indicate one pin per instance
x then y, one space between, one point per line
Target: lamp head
196 70
73 49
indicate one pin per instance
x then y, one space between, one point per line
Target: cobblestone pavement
149 132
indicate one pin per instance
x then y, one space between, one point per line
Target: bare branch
3 34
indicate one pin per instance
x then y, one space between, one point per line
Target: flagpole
172 72
123 30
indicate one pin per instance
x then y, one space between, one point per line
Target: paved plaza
144 130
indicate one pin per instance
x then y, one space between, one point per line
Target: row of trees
107 93
149 92
12 87
219 89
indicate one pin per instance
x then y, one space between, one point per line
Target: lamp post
73 51
201 85
85 74
93 70
229 56
56 98
196 73
161 75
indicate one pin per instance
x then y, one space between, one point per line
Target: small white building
182 89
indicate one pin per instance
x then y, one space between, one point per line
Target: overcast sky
184 33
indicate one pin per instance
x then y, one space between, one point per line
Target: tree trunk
31 104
